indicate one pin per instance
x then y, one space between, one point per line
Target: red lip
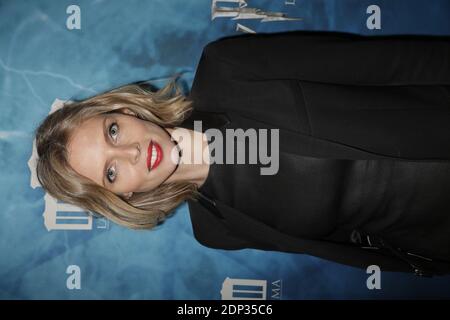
159 155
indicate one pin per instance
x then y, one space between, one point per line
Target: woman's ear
127 195
127 111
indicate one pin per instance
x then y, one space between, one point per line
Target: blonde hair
142 210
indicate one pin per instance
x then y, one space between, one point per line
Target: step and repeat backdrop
52 51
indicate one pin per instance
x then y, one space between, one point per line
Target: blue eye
113 125
108 176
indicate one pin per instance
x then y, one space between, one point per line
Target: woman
364 149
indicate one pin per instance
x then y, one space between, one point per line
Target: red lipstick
154 155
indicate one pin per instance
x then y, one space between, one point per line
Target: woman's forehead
85 149
90 124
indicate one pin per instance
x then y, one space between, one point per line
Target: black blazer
331 95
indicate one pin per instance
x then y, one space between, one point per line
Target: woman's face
111 150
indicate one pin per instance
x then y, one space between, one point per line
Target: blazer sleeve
240 231
336 57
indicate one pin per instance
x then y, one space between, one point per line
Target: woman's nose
130 152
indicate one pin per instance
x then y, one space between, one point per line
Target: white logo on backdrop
240 11
244 289
59 215
250 289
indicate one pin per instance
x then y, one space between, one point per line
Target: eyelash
107 170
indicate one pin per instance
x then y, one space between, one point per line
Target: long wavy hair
143 210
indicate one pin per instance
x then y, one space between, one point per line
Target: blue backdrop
41 60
